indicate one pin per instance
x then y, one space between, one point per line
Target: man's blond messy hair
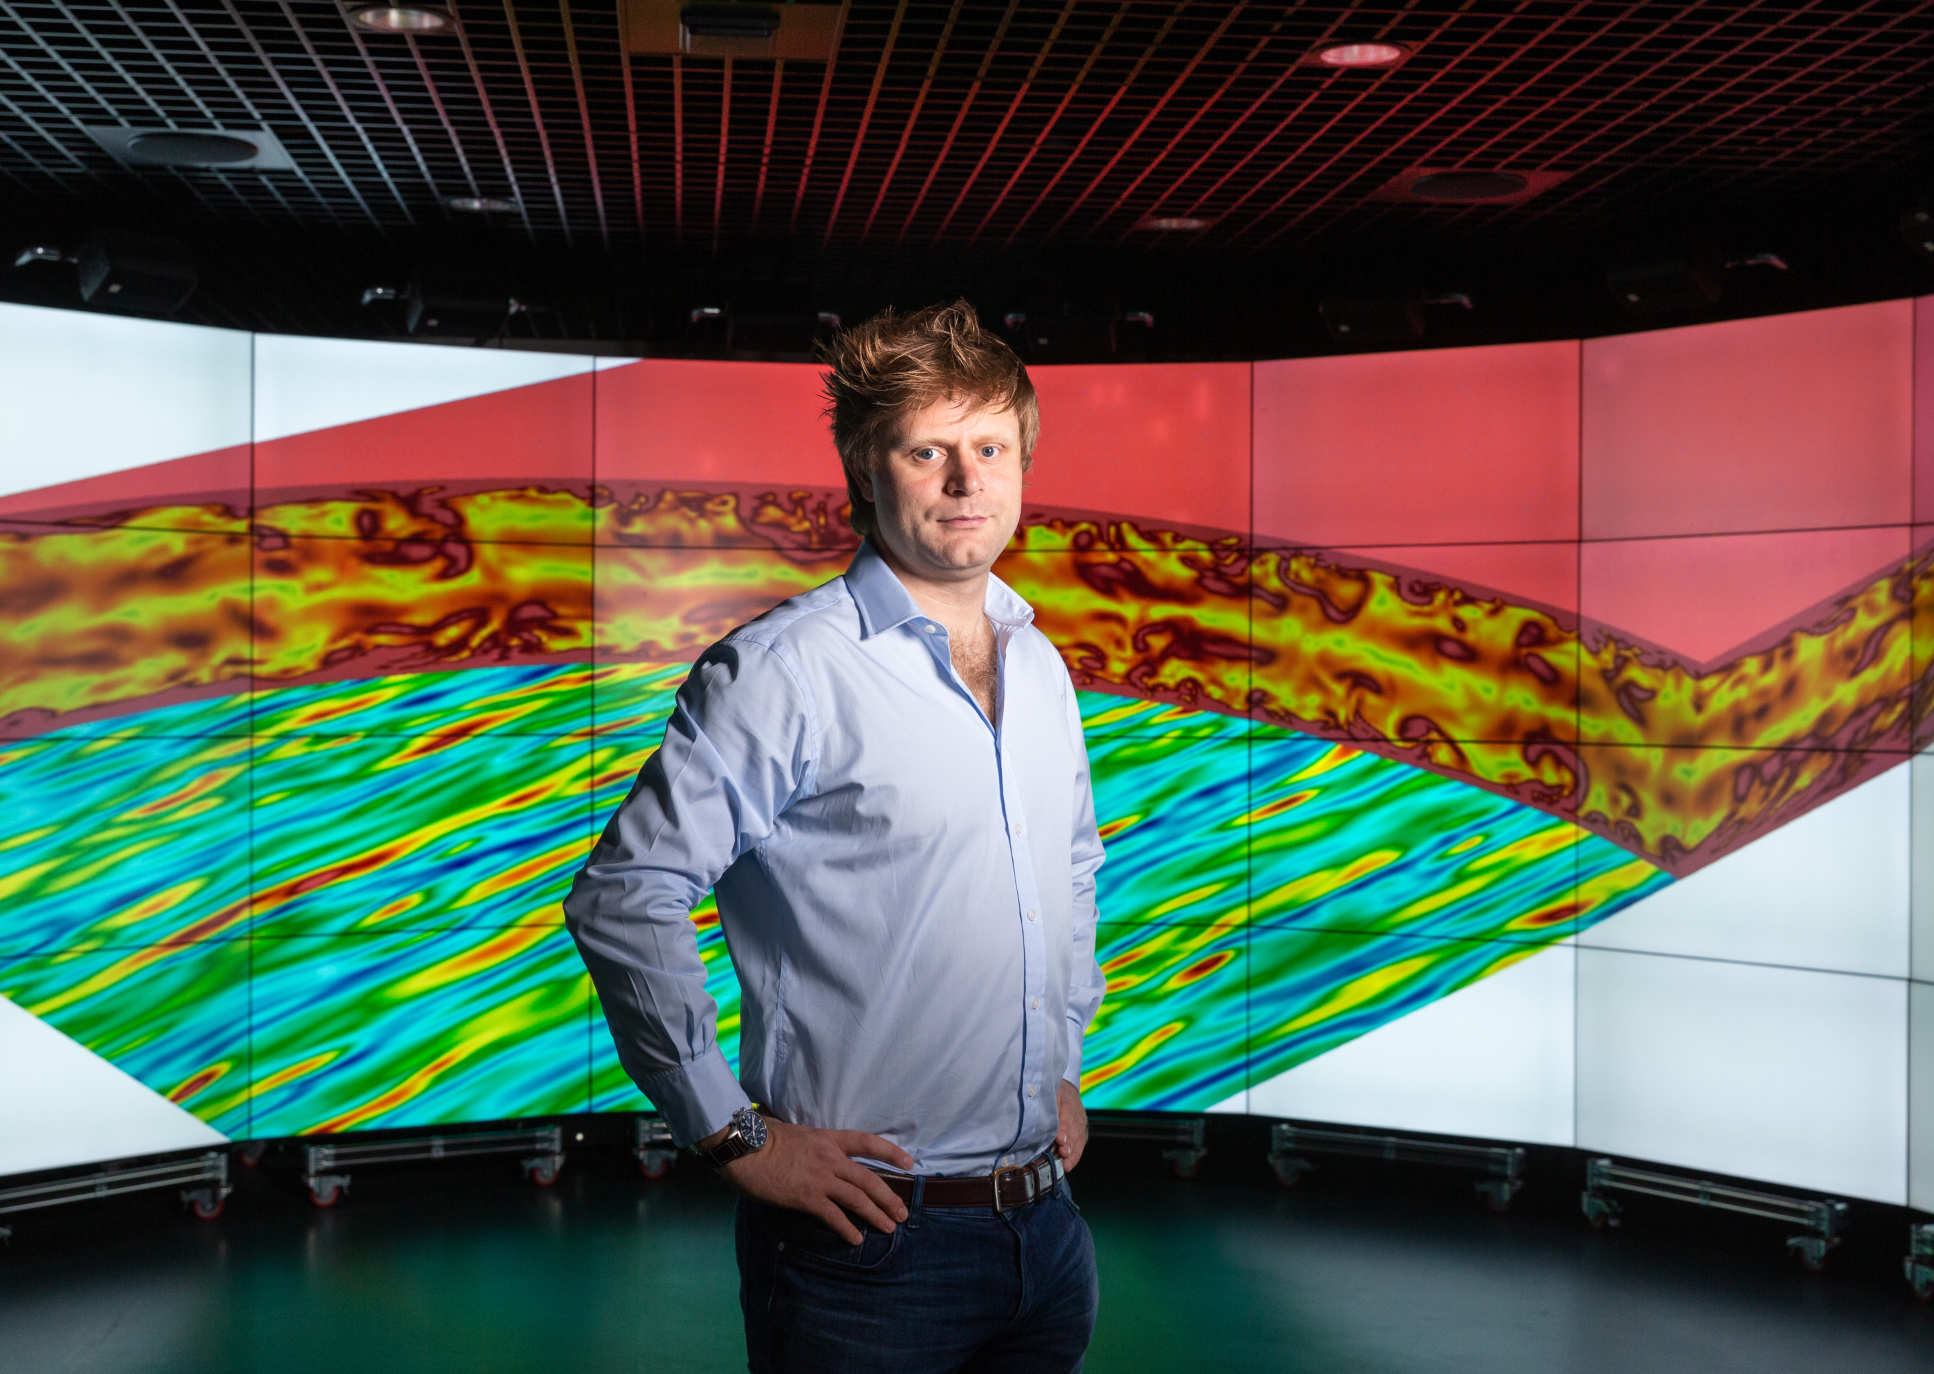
891 366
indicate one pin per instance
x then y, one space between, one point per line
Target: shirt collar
885 603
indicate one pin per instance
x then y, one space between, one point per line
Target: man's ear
864 479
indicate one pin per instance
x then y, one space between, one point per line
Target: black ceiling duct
729 21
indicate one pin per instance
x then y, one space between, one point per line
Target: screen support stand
321 1164
205 1176
1824 1218
1919 1264
652 1145
1288 1144
1184 1135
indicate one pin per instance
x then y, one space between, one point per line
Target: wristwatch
746 1134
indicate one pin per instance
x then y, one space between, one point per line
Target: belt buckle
999 1174
1032 1171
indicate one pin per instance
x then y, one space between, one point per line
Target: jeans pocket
811 1242
1066 1194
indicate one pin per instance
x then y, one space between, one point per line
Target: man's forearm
635 934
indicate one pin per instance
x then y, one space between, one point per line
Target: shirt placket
1027 897
1034 1037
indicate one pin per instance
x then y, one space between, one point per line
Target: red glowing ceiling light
1173 223
1360 55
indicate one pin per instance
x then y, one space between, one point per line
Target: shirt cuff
1071 1071
697 1098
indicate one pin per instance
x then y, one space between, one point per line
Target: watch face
753 1127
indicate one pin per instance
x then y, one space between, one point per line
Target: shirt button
932 628
1037 1004
1030 1092
1030 913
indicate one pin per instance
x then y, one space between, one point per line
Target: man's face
947 493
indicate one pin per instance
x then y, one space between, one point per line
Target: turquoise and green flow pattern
336 907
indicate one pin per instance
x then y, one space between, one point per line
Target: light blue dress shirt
907 889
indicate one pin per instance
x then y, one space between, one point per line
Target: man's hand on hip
814 1171
1072 1137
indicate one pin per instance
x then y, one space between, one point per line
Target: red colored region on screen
1924 409
539 433
1704 595
223 472
1453 445
1785 422
675 420
1168 442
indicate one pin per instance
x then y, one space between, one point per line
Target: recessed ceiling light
1464 186
479 205
401 18
1467 185
1361 54
171 148
226 150
1173 223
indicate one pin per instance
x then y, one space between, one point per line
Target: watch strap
736 1144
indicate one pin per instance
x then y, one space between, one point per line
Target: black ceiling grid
1011 149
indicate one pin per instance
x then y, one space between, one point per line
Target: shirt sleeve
1086 982
738 747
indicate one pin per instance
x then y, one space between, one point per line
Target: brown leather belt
1002 1190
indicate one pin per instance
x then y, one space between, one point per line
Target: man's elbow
581 902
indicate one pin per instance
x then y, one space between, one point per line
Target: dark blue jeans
951 1288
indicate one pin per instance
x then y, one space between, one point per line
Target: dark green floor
462 1266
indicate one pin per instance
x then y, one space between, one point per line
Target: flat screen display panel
1400 778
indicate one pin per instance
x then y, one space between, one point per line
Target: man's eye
989 450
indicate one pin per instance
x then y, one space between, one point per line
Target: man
885 780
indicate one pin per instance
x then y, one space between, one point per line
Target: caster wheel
251 1154
206 1206
1289 1178
1813 1265
1181 1170
654 1169
544 1175
1924 1291
1497 1201
325 1195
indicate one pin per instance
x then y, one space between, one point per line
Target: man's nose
960 475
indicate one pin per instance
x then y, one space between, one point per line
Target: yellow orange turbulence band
106 619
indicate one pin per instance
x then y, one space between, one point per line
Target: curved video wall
1515 742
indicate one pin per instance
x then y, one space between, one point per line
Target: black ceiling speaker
1065 335
1366 321
1656 288
455 302
137 272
